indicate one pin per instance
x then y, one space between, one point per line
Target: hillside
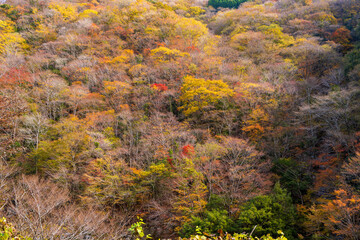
195 119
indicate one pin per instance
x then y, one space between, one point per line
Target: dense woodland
225 3
175 118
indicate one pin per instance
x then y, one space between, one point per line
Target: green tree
293 177
352 59
226 3
269 213
212 222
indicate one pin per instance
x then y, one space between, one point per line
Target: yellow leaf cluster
189 28
198 93
88 13
195 11
67 11
9 39
278 37
7 26
116 86
164 54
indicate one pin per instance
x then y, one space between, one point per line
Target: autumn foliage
203 119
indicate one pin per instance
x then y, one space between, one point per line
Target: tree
64 153
269 213
275 34
190 198
10 41
351 171
116 93
42 210
190 30
197 95
164 54
112 183
208 155
352 59
342 36
67 11
12 106
334 113
80 100
33 126
312 59
339 217
49 94
245 172
8 232
226 3
294 177
213 222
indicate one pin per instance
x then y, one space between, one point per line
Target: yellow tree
164 54
190 30
67 11
10 40
198 94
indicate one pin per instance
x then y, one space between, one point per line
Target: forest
180 119
225 3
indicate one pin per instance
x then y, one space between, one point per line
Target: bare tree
33 126
334 113
43 210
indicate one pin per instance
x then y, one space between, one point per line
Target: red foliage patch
188 150
170 161
159 86
16 76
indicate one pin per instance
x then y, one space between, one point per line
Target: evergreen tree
269 213
225 3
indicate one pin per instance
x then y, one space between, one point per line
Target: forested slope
198 120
